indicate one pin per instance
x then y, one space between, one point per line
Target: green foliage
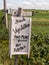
39 54
40 48
40 27
41 15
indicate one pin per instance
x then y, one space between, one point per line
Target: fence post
16 60
16 56
5 15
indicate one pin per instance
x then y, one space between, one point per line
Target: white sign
20 34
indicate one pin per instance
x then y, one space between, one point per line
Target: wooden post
27 61
19 12
16 60
18 15
5 15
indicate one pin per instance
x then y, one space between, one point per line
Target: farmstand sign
20 33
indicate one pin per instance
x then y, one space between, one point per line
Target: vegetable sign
20 33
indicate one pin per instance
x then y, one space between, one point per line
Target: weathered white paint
20 33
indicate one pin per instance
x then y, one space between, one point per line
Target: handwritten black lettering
21 36
24 36
18 45
22 40
25 26
15 36
16 50
22 47
21 28
17 21
16 30
19 49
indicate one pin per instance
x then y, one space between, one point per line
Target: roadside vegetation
39 41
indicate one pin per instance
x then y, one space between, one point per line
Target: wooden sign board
23 13
27 13
20 33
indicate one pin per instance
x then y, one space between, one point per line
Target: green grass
41 17
40 27
40 22
39 42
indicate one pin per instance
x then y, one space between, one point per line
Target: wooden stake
16 60
5 15
18 15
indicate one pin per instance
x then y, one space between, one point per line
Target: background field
39 41
41 15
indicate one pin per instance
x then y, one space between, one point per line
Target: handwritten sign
20 33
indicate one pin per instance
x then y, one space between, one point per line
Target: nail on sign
20 33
